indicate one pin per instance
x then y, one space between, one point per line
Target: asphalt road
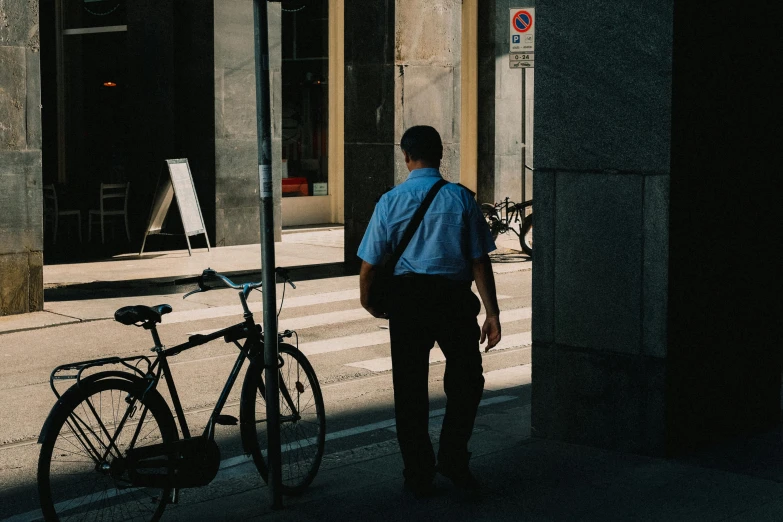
344 344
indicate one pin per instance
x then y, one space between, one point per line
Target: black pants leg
424 310
458 338
411 341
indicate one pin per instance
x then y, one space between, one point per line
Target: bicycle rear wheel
302 420
81 468
526 235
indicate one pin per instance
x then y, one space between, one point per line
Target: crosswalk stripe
345 343
384 364
310 321
515 314
256 307
382 337
201 314
508 377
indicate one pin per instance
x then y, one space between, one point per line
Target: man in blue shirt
432 301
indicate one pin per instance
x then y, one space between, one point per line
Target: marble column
369 114
402 68
21 199
427 81
236 145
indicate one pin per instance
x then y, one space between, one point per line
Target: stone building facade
655 287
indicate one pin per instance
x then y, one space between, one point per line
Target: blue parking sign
515 39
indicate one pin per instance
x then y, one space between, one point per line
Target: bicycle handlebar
245 287
229 283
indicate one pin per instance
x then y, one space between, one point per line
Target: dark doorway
84 58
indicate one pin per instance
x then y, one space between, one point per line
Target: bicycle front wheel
526 235
82 471
302 420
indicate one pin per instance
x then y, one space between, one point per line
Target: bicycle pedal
226 420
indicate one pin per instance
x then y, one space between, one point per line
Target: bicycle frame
247 329
507 213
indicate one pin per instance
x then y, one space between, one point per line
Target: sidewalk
299 247
524 480
88 291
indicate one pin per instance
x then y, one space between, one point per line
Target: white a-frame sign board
179 183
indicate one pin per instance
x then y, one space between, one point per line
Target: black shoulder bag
379 290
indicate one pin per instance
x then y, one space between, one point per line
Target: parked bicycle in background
508 216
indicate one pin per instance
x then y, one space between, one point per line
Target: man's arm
485 283
366 275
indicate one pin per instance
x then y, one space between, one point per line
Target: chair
52 212
110 191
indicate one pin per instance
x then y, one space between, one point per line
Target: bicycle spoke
105 432
75 485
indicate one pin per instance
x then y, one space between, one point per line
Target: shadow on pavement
156 286
351 452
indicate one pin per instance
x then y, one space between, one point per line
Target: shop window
305 115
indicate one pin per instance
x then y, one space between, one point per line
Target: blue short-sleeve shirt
452 234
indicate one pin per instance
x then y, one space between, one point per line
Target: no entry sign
522 36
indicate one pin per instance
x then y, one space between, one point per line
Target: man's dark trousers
426 309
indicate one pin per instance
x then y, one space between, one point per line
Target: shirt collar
424 173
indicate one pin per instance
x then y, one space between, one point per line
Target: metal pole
264 122
524 135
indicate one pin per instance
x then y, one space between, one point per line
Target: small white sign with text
522 37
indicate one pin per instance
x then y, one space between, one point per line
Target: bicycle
110 446
507 215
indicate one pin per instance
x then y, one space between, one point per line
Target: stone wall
603 130
427 81
369 114
21 199
500 109
237 219
403 72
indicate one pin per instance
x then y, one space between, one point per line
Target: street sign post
264 129
522 37
521 55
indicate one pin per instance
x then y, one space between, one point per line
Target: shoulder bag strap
414 224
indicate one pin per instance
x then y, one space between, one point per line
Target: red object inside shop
295 187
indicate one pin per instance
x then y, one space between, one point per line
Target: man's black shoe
461 478
420 489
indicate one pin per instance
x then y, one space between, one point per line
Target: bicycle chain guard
185 463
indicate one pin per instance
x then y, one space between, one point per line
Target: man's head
421 147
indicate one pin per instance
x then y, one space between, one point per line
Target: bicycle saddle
141 314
